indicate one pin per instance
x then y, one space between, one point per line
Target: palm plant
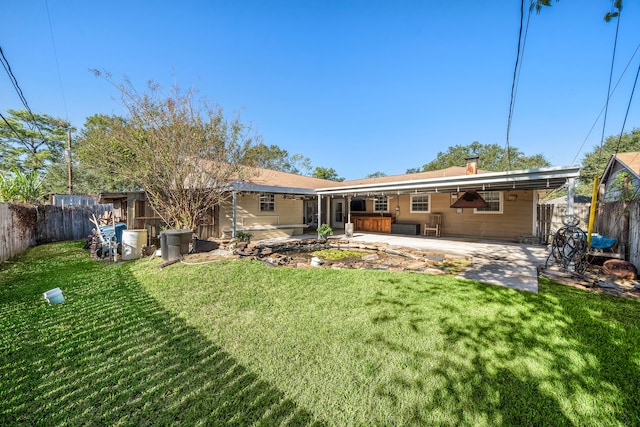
18 187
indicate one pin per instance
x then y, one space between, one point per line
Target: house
412 199
619 208
274 204
620 166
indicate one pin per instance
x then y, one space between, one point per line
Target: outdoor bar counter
373 223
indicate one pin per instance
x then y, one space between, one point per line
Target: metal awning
248 187
529 179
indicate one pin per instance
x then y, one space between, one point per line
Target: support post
592 209
233 213
319 213
348 229
69 171
570 196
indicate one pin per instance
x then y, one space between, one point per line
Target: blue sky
357 85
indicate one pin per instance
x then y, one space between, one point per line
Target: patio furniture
435 224
409 229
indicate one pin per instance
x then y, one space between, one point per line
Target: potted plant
244 236
324 231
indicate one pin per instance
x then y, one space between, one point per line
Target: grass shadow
111 355
504 357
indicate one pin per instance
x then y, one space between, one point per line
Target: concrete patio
506 264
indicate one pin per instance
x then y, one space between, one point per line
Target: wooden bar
376 224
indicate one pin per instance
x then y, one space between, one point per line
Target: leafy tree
275 158
326 173
183 152
616 7
377 174
539 4
594 162
31 142
492 157
92 176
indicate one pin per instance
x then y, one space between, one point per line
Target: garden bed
344 254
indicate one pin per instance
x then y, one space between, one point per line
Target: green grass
241 343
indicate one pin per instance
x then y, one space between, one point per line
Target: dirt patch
594 279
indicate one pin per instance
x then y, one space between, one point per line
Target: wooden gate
544 220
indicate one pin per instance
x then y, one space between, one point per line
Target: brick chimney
472 165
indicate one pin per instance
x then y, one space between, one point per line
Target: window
421 203
381 204
493 199
267 203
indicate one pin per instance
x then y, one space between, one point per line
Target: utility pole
69 172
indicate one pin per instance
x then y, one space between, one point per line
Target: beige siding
288 212
516 219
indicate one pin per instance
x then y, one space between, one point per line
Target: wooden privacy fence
22 226
623 223
17 231
60 223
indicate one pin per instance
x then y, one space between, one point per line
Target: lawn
241 343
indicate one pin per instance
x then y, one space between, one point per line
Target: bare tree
181 151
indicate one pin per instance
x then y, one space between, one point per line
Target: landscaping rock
296 254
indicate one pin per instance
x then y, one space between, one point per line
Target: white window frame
428 196
485 196
267 200
379 199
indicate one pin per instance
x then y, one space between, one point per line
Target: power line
522 39
606 109
55 54
626 115
14 81
603 107
12 77
13 129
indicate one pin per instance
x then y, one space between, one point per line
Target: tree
492 157
377 174
31 142
616 7
183 152
93 176
594 162
326 173
275 158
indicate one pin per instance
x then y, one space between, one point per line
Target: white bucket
316 262
54 296
132 243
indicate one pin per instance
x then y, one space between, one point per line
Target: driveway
511 265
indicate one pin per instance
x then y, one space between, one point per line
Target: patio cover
529 179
